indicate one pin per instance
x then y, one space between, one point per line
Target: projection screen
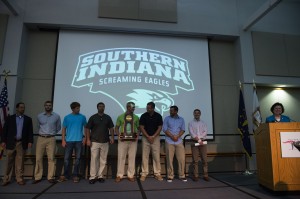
115 68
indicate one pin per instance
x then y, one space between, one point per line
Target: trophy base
128 138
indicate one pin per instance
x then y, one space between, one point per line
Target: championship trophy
128 133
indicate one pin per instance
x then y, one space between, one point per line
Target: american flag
4 109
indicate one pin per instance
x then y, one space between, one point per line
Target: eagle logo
141 97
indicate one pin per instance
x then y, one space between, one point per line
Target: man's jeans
68 154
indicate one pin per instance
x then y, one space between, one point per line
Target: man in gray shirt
49 124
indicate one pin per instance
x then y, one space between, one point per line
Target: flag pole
243 129
247 171
4 110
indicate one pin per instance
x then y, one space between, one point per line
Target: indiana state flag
243 126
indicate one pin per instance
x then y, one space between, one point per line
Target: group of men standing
98 133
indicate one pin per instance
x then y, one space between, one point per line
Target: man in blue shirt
174 128
49 125
73 138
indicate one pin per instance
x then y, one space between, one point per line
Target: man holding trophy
127 129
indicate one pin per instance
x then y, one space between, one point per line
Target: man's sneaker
62 179
118 179
101 180
159 178
169 180
183 179
142 178
76 179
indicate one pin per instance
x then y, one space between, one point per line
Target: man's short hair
18 104
197 110
100 103
175 108
48 102
129 104
151 104
74 105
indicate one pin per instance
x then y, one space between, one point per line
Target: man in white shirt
198 132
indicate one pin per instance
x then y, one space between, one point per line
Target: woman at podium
277 109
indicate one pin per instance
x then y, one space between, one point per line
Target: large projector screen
115 68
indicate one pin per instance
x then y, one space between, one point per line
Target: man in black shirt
99 127
151 125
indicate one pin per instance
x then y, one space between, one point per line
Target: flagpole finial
5 73
254 85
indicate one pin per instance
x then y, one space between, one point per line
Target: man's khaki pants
179 151
15 157
154 148
124 148
202 150
99 153
43 144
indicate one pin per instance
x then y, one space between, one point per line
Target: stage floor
221 185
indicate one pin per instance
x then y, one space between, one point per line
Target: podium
276 171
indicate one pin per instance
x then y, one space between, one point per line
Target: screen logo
137 74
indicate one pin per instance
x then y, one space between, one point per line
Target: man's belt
46 136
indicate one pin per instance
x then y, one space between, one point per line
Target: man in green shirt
127 129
